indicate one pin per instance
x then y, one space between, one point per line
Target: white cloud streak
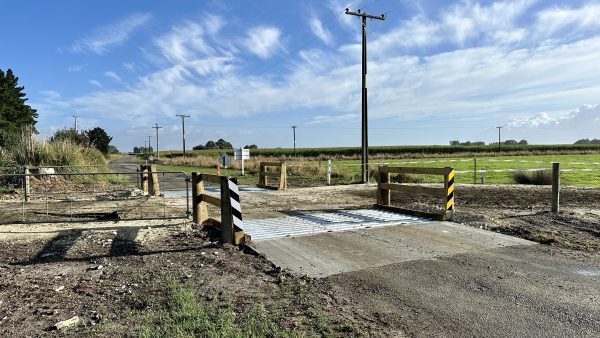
319 31
112 75
111 35
263 41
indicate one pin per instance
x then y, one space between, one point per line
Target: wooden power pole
183 129
157 127
365 135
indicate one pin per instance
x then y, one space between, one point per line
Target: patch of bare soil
111 277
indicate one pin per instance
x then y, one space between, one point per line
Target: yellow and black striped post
449 185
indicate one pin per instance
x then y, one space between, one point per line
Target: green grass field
577 170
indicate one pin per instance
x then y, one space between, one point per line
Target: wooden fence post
449 200
199 208
154 186
555 187
262 178
26 185
283 178
227 229
384 196
144 179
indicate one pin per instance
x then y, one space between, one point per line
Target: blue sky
247 71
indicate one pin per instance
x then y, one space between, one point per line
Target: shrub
536 177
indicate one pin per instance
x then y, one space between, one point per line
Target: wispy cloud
263 41
111 35
112 75
556 19
321 32
190 40
95 83
75 68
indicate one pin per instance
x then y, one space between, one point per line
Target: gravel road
534 291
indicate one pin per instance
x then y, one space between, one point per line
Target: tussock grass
536 177
22 150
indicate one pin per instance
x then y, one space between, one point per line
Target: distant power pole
157 127
145 149
75 122
183 129
149 145
294 128
365 136
499 127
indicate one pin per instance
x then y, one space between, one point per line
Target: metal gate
44 196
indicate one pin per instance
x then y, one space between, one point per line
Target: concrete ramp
332 253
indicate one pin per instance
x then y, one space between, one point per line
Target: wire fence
41 197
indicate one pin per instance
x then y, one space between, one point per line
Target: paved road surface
426 282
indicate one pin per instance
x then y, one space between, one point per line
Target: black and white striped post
231 210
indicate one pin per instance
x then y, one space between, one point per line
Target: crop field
403 151
582 170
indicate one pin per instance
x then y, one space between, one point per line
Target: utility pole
499 127
365 135
157 127
145 149
149 145
294 128
75 121
183 129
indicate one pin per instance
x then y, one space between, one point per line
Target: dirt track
51 273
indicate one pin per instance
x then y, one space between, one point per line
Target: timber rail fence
446 193
281 174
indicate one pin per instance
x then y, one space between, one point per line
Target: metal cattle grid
303 224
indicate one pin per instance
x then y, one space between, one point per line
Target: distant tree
523 142
99 139
251 146
595 141
112 149
70 135
222 144
467 143
583 141
15 114
478 143
136 150
510 142
455 143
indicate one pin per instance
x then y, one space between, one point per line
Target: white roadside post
242 155
328 172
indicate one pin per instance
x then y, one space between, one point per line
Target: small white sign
241 154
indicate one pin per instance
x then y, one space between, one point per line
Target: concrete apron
331 253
